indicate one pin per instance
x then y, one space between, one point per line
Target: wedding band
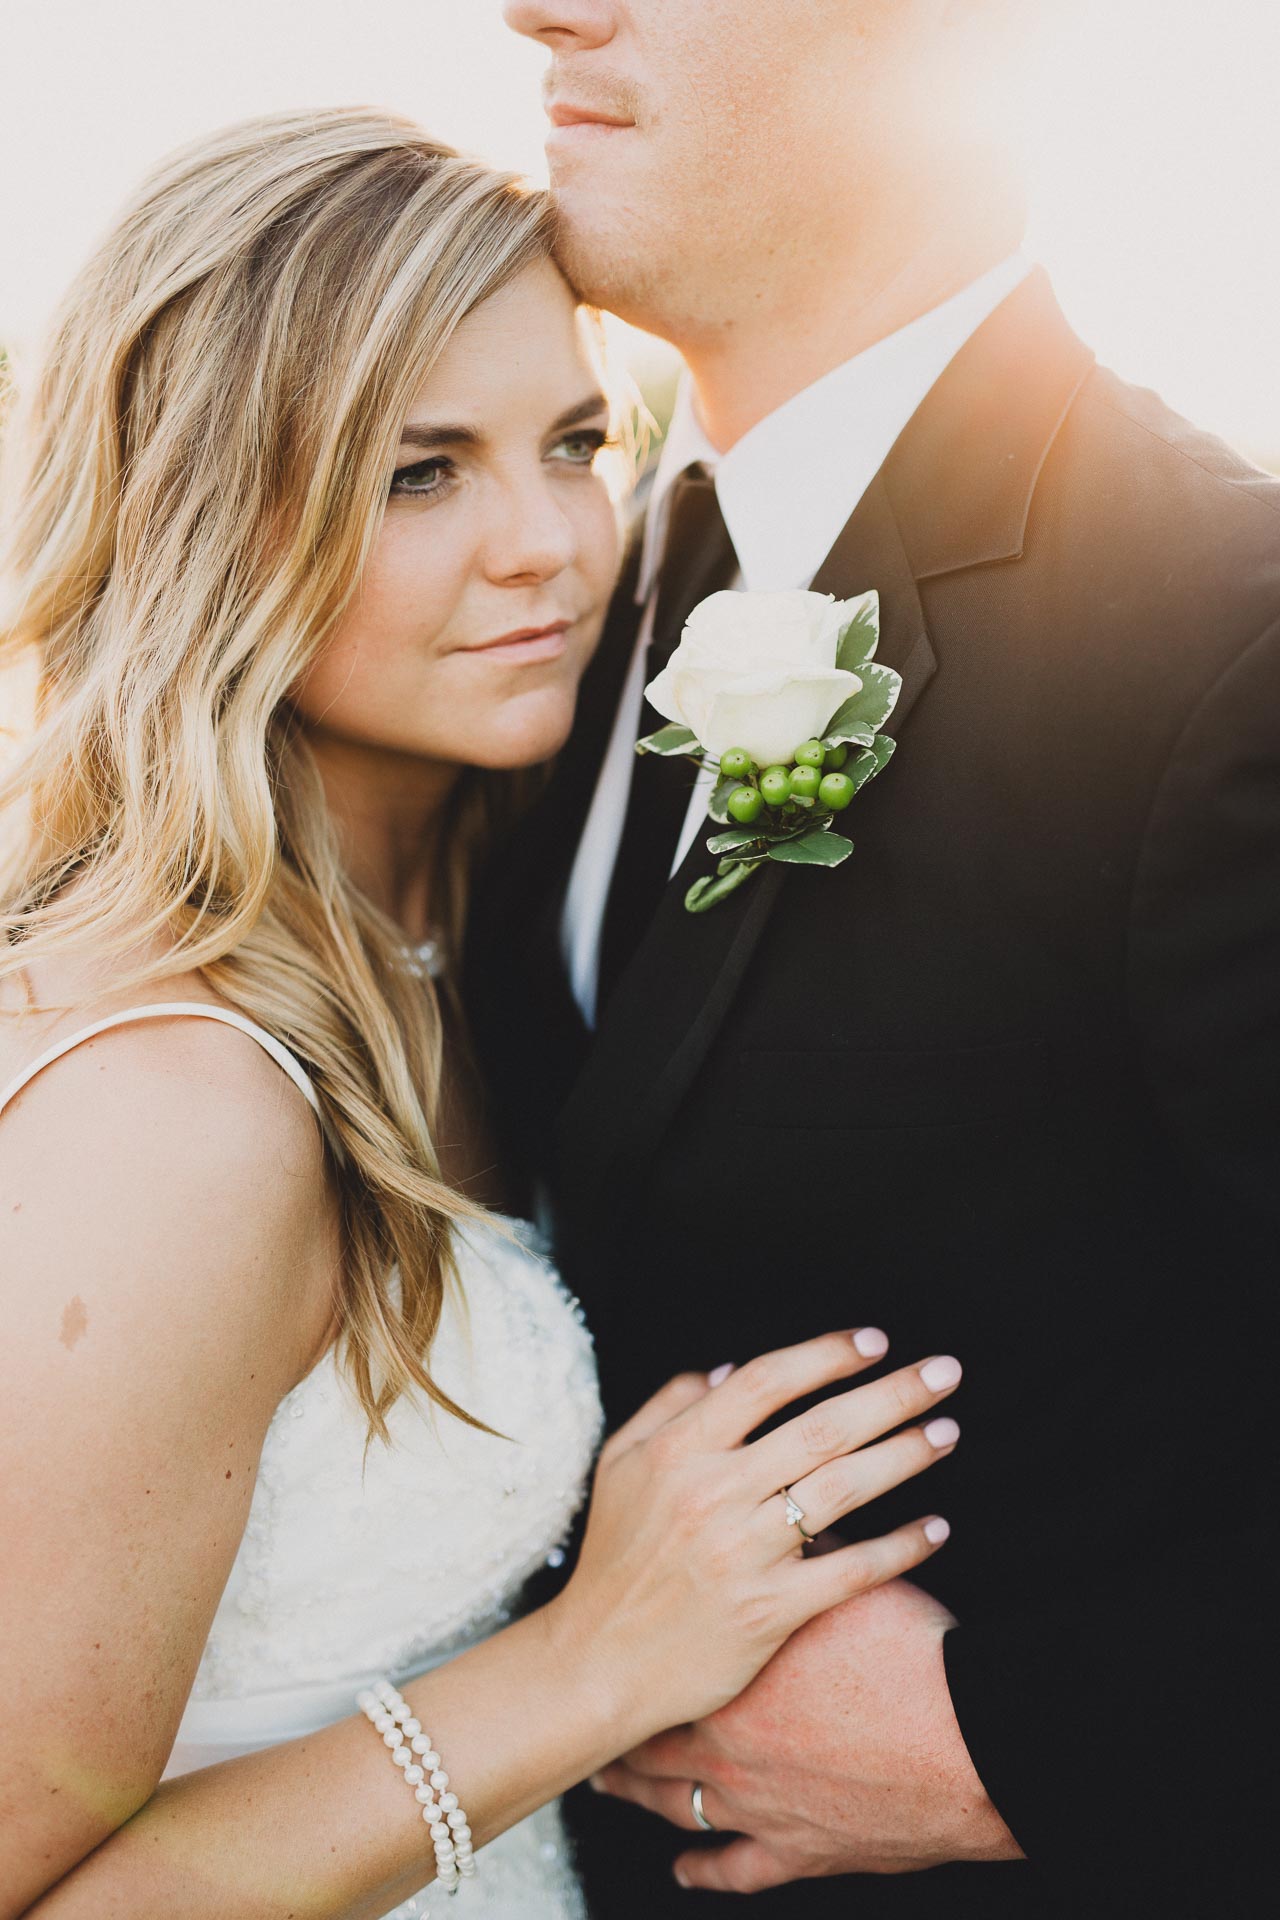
699 1812
795 1515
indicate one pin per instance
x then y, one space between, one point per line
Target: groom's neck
788 335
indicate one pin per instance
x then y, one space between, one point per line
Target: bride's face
485 593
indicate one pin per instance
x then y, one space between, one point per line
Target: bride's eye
424 480
580 449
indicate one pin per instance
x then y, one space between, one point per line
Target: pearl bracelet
411 1749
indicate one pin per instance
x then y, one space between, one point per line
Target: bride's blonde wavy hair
193 493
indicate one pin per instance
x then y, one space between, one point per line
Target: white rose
757 670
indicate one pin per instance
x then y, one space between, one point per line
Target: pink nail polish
936 1531
942 1433
941 1373
718 1375
871 1342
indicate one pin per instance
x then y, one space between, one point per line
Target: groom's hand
843 1756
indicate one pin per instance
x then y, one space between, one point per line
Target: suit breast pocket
852 1088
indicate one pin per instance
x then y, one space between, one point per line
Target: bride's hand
690 1576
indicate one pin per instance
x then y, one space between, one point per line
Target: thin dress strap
166 1010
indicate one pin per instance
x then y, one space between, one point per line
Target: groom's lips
569 122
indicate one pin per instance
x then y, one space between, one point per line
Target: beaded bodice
352 1568
423 1547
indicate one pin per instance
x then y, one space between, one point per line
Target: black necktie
697 559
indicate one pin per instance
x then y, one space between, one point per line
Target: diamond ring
795 1514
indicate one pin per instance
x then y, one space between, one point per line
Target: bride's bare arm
192 1291
162 1264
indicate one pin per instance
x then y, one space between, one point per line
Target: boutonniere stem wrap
780 696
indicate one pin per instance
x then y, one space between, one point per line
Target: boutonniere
780 695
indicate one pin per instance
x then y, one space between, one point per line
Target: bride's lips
528 646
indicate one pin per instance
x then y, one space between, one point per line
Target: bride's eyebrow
430 439
585 410
426 436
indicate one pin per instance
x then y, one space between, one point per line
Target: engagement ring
795 1515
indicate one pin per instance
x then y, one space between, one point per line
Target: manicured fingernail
936 1531
940 1373
942 1433
718 1375
682 1878
871 1342
596 1783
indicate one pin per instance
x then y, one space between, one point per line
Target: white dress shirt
786 490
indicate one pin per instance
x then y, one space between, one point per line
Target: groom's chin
607 265
587 241
606 241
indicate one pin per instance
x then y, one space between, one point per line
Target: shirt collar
789 485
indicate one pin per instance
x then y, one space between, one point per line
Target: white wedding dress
352 1569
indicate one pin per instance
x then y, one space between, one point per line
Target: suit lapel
539 856
869 553
673 997
955 492
537 1031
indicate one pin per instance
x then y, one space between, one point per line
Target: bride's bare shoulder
210 1059
161 1147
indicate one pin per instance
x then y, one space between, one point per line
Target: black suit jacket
1007 1083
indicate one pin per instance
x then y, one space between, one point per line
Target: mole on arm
75 1322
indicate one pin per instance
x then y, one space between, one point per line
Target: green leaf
718 804
796 829
854 736
860 638
822 849
865 766
762 834
712 888
884 750
731 841
862 716
669 741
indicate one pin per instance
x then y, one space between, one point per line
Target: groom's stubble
780 159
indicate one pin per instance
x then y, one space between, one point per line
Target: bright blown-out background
1146 126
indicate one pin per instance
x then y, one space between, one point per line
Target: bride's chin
527 732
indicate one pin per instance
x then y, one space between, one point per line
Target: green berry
744 805
805 782
736 764
775 785
836 791
835 758
811 754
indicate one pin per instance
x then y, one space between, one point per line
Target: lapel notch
962 477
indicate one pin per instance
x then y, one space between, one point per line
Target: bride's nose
530 539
